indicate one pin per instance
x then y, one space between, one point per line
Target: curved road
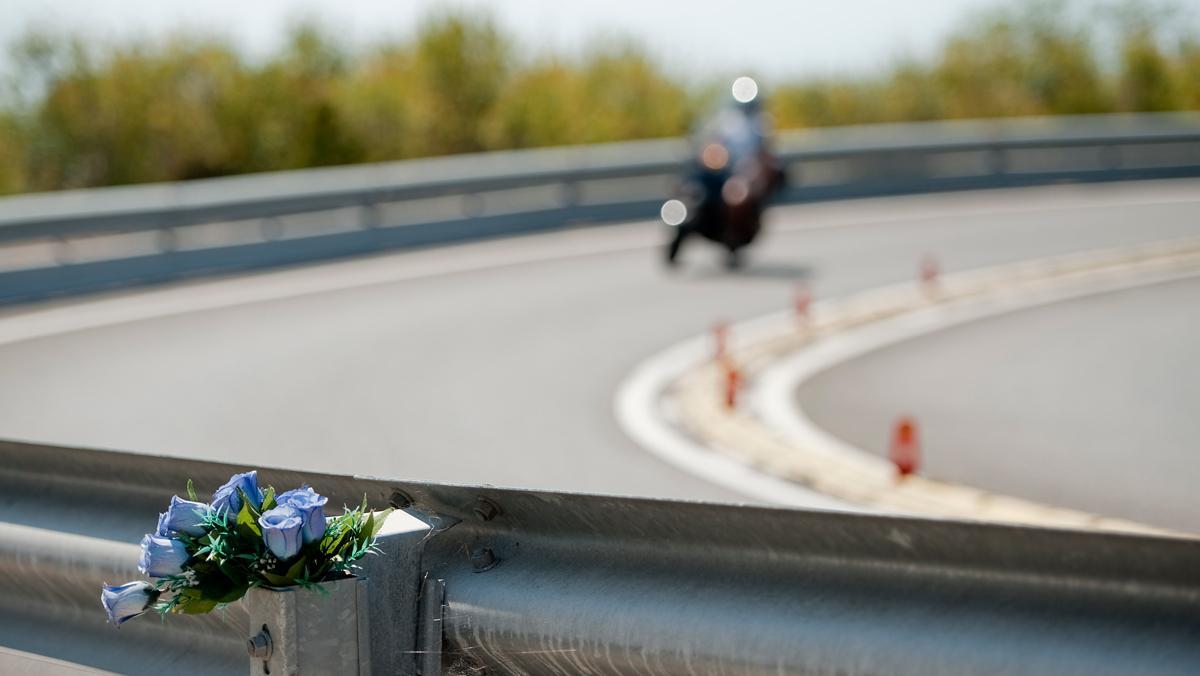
495 362
1089 403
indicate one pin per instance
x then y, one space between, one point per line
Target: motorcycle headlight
745 89
673 212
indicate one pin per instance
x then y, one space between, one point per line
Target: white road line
637 410
638 401
773 395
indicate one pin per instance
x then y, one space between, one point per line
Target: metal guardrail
495 581
77 241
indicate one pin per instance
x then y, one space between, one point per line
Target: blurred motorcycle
731 177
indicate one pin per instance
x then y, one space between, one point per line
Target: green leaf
247 523
268 499
288 578
234 594
191 491
296 568
248 504
196 607
204 568
276 580
382 517
333 547
192 602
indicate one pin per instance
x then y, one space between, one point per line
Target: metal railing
491 580
77 241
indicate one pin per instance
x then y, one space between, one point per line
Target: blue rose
311 507
127 601
226 497
163 530
162 557
281 530
183 516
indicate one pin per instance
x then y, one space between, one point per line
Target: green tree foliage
1146 79
1187 74
614 94
1035 59
461 66
75 114
374 101
12 152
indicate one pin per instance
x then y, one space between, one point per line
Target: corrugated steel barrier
487 580
87 240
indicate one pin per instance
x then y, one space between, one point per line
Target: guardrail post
64 253
369 218
310 631
270 228
167 240
429 640
362 625
568 194
997 160
1110 157
472 205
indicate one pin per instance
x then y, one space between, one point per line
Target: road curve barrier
494 581
771 437
86 240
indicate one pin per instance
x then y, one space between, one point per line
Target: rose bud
227 498
311 508
127 601
162 557
281 530
183 516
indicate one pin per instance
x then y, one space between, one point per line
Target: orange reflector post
929 271
733 382
720 339
802 302
905 452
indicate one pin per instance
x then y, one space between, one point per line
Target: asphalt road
496 362
1089 403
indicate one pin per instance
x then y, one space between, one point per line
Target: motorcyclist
732 172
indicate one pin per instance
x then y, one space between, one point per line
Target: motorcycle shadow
767 270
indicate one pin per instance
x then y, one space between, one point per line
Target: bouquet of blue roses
206 555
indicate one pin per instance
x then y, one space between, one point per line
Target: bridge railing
77 241
493 580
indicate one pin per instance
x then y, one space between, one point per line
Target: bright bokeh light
714 156
745 89
735 191
673 212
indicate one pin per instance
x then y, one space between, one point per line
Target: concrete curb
775 353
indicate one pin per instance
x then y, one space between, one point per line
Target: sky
766 37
